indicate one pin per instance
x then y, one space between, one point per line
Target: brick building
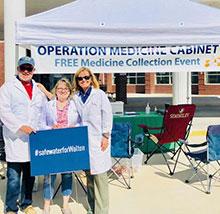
1 62
153 83
202 83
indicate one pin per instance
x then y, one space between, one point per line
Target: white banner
126 58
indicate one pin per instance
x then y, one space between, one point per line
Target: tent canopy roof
122 22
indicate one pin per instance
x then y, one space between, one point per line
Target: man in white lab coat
21 109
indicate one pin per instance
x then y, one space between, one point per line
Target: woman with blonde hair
95 111
61 112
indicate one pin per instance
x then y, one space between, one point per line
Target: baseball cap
26 60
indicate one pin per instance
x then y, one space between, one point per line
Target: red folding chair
176 126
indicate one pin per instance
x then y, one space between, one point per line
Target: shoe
66 211
29 210
89 211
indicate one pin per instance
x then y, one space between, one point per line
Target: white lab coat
16 109
51 114
96 113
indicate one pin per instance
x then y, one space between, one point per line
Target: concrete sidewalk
153 190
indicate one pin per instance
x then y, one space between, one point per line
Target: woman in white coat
95 112
60 113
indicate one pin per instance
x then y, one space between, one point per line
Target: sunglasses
85 78
28 68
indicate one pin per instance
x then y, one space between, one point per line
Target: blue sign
59 150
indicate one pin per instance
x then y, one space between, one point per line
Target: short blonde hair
67 83
94 80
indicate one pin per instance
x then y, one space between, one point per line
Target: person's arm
8 118
49 95
107 120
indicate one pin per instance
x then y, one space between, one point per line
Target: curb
197 133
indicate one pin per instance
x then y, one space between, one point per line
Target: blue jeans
14 171
66 185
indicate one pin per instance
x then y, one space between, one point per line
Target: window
213 77
195 79
164 78
134 78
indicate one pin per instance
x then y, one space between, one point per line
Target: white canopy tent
120 22
151 22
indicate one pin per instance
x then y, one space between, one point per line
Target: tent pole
189 88
13 10
121 87
181 88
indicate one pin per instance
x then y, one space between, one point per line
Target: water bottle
155 108
147 108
